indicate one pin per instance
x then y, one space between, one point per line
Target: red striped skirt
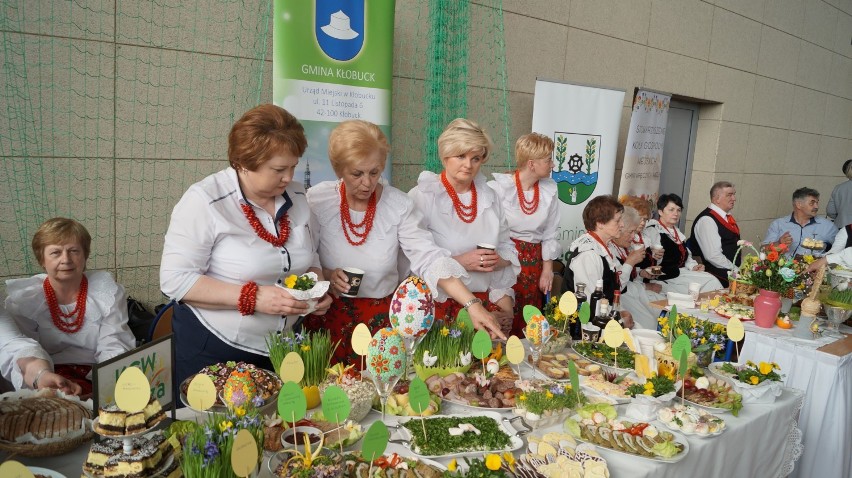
526 287
344 314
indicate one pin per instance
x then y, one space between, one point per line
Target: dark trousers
196 347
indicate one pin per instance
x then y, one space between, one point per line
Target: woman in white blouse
590 259
233 236
530 202
364 223
635 294
463 214
62 322
678 267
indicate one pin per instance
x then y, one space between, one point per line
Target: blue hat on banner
339 28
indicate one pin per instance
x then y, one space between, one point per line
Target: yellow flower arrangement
704 334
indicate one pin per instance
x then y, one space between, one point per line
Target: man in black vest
715 232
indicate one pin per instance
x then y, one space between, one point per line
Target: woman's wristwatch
475 300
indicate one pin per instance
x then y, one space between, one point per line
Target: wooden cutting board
839 348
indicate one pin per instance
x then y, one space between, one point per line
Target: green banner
332 61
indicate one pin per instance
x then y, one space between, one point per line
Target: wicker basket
47 449
55 446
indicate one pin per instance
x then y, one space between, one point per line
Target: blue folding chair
162 324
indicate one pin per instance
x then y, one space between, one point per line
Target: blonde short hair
59 231
352 141
532 146
462 136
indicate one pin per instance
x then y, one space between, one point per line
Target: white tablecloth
762 442
826 379
826 417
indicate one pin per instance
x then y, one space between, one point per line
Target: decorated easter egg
239 388
538 330
412 309
386 355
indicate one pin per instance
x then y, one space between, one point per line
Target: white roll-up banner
643 153
583 122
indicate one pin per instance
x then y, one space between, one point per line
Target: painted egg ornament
538 329
412 309
386 356
239 388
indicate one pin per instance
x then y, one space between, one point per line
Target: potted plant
207 449
445 349
316 351
560 323
708 338
774 274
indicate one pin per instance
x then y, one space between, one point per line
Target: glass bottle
581 297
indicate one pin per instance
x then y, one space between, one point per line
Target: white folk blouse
587 266
31 333
397 225
538 227
458 237
209 235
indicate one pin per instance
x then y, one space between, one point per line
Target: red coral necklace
352 228
530 207
283 227
465 213
56 314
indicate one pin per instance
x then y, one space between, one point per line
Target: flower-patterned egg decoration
412 309
538 330
386 355
239 388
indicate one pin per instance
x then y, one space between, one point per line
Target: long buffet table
763 441
822 369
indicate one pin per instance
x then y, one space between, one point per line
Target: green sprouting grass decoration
315 348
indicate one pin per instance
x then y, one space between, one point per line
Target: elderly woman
233 237
466 218
679 269
64 321
643 209
364 223
636 294
590 259
529 200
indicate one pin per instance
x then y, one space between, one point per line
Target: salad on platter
691 420
600 425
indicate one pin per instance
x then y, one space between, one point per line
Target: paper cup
694 290
353 278
485 245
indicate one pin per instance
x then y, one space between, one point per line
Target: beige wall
778 71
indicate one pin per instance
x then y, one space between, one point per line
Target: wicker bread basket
55 423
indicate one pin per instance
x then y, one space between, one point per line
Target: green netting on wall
449 63
110 109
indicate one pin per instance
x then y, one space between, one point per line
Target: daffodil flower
453 465
493 462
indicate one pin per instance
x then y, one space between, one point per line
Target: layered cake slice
111 421
99 454
127 466
135 423
154 414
